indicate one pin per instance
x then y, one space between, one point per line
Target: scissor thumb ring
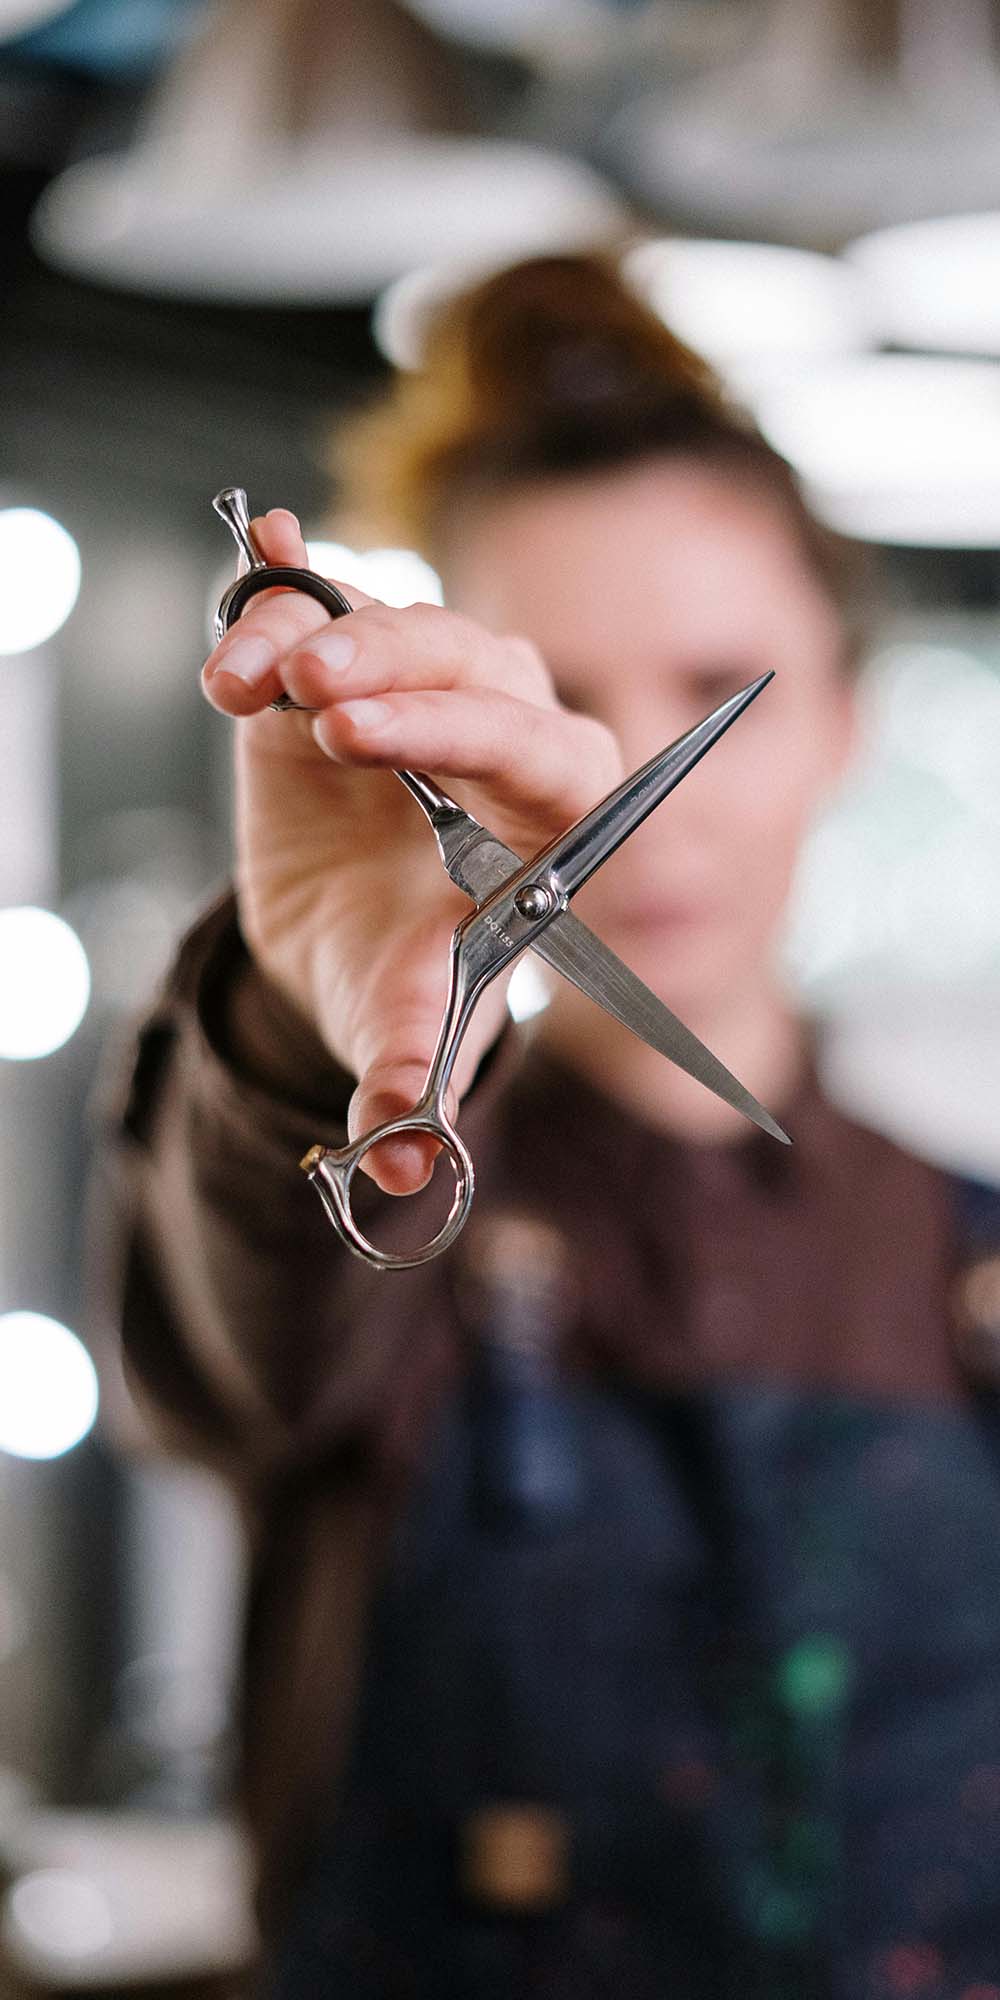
332 1169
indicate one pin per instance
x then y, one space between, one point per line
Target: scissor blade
570 948
573 950
570 861
479 863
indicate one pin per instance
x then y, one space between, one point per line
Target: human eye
573 693
709 686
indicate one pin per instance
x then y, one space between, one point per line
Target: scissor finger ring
259 575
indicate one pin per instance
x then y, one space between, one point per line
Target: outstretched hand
342 896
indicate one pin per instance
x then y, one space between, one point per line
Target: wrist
270 1042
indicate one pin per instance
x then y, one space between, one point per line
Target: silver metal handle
332 1169
259 575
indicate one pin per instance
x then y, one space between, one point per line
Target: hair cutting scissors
519 906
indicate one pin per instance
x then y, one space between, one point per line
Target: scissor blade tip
770 1125
754 687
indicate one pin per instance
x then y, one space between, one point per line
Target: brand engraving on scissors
498 930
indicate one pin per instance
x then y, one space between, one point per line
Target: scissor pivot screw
534 900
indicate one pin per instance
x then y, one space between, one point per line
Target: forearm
245 1328
216 1269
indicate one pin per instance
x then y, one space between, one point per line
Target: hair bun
556 368
562 332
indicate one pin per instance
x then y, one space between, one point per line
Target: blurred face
654 593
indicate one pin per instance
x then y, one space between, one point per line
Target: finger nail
335 649
367 716
250 659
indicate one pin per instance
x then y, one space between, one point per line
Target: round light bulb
897 448
48 1387
39 578
934 284
44 983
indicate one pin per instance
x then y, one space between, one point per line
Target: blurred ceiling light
748 307
48 1387
835 124
751 306
934 284
18 16
875 163
44 983
895 448
401 312
39 578
309 155
333 225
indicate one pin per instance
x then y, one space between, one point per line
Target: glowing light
745 306
748 306
814 1676
896 448
934 284
528 992
403 310
57 1910
39 578
48 1387
156 218
397 576
44 983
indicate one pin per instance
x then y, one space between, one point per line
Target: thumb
394 1081
389 1090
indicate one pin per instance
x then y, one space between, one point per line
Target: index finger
243 673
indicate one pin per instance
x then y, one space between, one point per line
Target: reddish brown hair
554 368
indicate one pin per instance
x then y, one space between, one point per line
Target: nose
645 725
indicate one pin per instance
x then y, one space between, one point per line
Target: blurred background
221 219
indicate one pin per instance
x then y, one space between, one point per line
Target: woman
705 1702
